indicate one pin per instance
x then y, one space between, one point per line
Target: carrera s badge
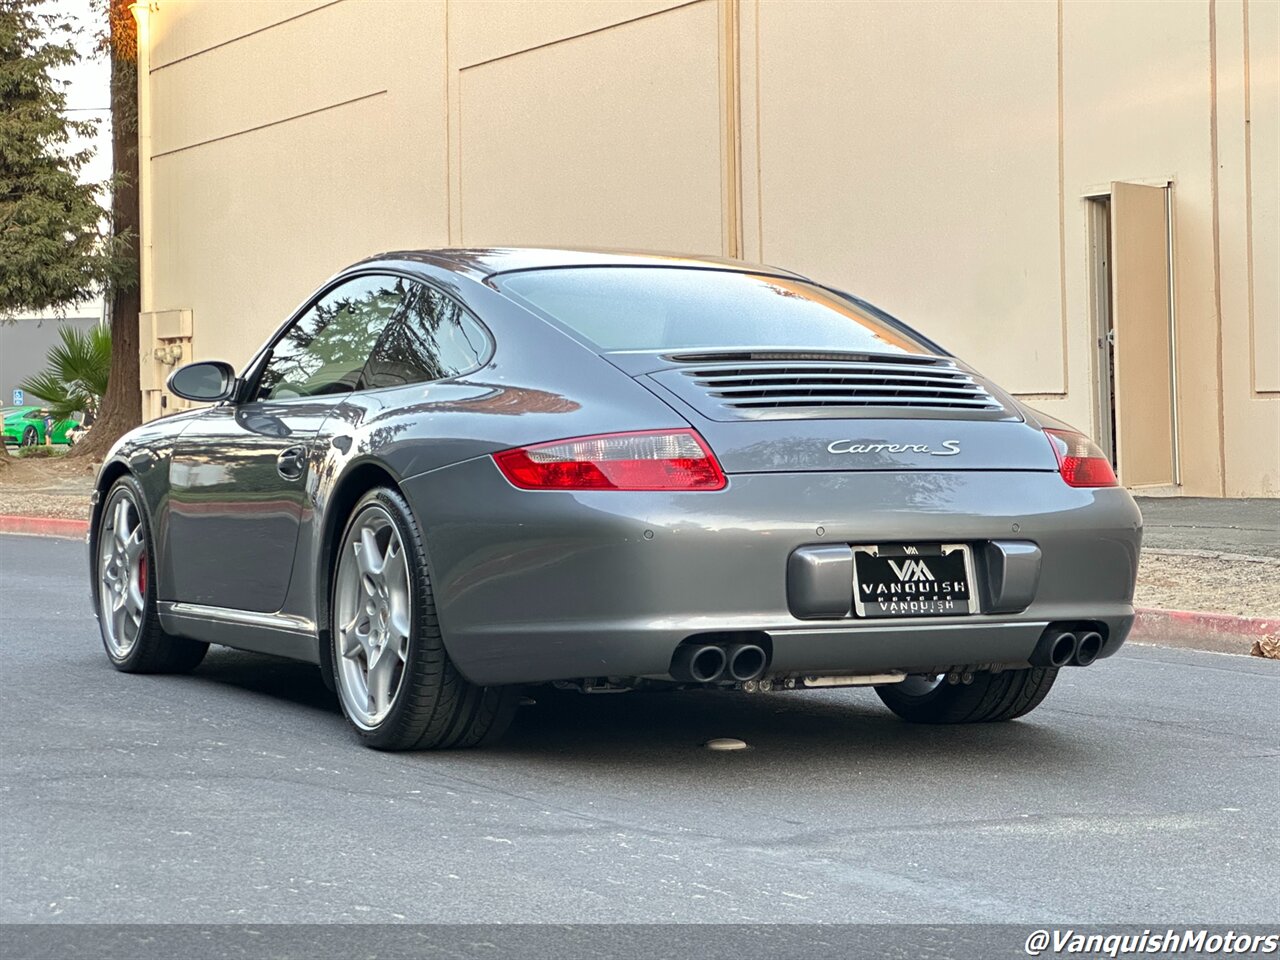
949 448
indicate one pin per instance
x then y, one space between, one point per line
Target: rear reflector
647 460
1080 461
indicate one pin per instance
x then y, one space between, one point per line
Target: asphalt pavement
1144 790
1249 527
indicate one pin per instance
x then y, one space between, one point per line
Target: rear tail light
1080 461
647 460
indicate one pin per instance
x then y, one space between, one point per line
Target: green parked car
25 427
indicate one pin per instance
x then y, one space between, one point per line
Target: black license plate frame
894 581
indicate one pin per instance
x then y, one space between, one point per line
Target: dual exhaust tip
711 662
1066 648
740 662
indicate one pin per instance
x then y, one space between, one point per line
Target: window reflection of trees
435 339
325 351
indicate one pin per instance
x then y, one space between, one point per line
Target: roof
486 261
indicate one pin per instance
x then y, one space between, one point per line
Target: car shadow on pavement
832 729
837 729
288 680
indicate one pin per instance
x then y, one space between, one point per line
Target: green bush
39 450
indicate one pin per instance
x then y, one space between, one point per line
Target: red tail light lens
1080 461
647 460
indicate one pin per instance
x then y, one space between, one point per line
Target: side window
433 339
325 349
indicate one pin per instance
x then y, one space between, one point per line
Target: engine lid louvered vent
915 383
791 356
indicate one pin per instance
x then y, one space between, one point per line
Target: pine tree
52 251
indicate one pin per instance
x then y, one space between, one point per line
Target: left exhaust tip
698 663
1063 650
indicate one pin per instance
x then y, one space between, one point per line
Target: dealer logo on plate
910 570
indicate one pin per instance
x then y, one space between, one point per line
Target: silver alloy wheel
372 605
122 576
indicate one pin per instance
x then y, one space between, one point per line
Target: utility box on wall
164 339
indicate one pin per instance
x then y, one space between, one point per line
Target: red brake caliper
142 574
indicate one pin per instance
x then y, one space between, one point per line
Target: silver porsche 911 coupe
455 473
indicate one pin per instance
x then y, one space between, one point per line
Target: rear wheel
395 681
125 591
29 437
991 697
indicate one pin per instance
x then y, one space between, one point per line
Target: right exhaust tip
1088 649
746 661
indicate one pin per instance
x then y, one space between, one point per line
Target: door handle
291 463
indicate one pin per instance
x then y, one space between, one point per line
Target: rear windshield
674 308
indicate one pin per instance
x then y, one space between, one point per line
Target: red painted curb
1219 632
45 526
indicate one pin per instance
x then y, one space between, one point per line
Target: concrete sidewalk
1245 527
1209 573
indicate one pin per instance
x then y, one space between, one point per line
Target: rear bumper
536 586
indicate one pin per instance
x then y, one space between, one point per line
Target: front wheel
395 681
125 590
991 697
29 437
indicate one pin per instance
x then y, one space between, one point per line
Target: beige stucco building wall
944 160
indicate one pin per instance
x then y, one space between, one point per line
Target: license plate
913 580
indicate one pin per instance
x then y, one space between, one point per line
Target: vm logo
911 570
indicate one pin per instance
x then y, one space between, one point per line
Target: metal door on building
1134 312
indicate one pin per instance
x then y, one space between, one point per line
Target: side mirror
207 382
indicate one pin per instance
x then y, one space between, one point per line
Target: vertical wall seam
448 138
462 239
731 132
1217 243
722 97
1248 207
759 162
1174 380
1062 215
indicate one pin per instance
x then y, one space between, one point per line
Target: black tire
29 437
434 706
991 698
153 650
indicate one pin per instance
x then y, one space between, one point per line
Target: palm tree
76 377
